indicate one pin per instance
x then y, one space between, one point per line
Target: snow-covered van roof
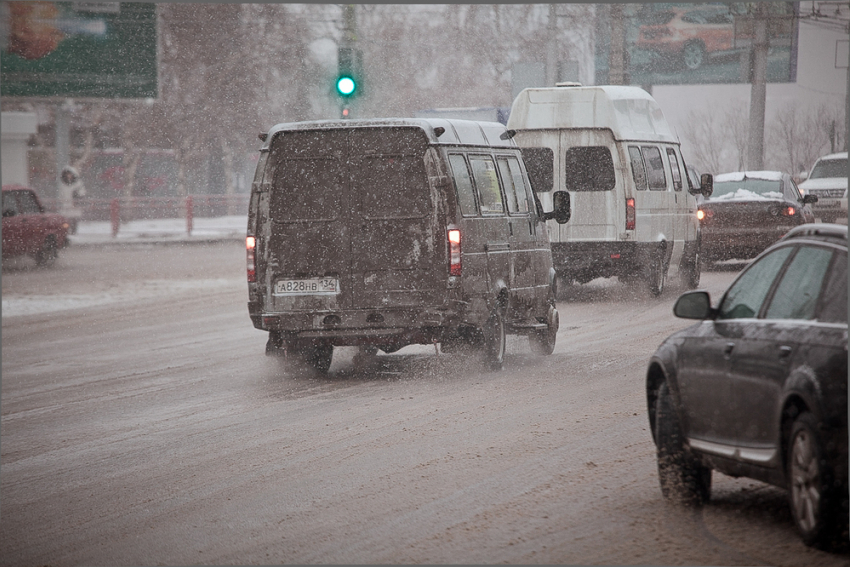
629 112
447 131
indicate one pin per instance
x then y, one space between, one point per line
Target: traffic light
349 62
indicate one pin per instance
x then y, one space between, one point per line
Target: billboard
78 49
696 43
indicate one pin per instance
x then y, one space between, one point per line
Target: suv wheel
814 507
682 477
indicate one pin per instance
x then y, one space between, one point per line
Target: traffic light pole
347 59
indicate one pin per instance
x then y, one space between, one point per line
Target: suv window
745 297
513 183
834 300
797 294
589 168
487 183
463 186
830 168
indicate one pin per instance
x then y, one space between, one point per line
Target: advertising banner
78 49
695 43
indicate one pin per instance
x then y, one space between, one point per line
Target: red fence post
114 216
189 214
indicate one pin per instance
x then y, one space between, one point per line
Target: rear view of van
385 233
633 207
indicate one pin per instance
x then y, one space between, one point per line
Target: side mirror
809 199
693 305
561 212
706 184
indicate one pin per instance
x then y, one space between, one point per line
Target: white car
828 181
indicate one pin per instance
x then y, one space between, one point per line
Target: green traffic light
346 86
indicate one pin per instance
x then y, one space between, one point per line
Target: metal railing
125 209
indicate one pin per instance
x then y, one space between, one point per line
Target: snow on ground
17 305
155 230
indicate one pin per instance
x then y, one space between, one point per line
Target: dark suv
28 229
758 387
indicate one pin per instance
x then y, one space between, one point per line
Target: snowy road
141 424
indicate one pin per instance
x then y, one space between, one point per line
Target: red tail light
250 244
789 211
630 214
454 252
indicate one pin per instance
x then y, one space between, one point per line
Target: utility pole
552 48
617 51
758 90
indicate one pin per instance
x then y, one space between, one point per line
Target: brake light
630 214
700 214
454 252
250 245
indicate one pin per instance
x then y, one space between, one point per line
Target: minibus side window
654 168
674 169
638 170
487 183
514 186
589 168
463 186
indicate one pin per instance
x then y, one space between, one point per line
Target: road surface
142 424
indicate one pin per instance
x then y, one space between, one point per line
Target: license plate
310 286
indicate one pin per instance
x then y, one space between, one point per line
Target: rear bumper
742 243
585 261
360 327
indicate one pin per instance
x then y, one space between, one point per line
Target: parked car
748 211
758 386
689 36
28 229
828 182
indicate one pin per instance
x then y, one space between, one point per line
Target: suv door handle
727 350
784 352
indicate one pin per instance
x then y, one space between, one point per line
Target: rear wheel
657 276
693 55
682 477
318 357
543 341
495 340
692 270
813 504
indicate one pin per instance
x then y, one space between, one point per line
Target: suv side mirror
693 305
706 184
809 199
562 211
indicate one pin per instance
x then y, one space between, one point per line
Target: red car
691 35
28 229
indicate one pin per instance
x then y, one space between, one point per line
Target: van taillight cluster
454 252
630 214
250 245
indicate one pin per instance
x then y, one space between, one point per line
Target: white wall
16 129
